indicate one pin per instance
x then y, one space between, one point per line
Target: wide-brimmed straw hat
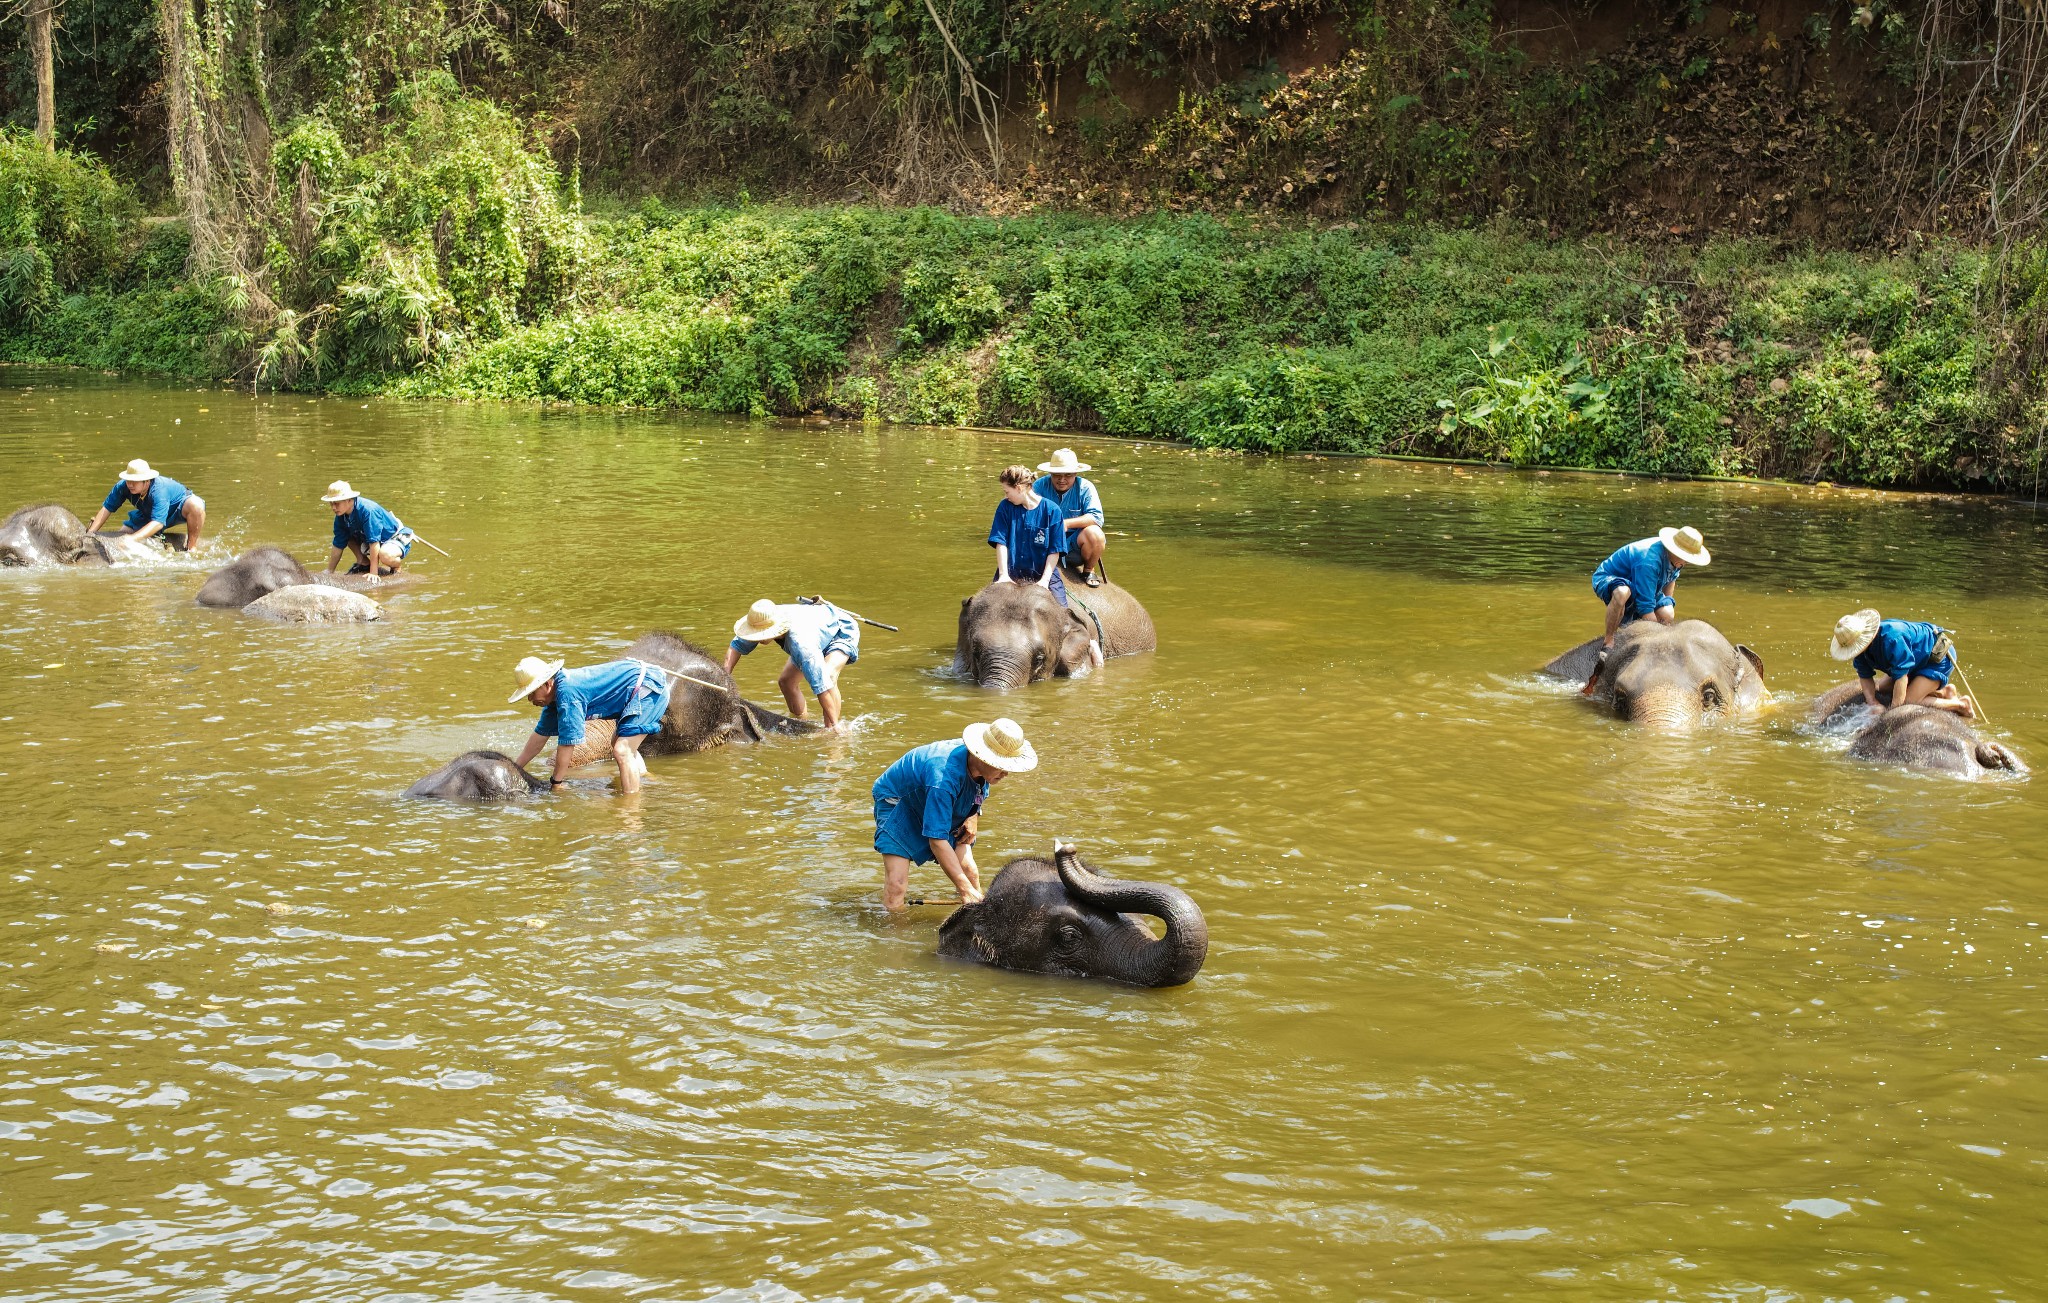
1686 544
339 491
1064 462
138 470
761 623
1000 744
531 673
1854 632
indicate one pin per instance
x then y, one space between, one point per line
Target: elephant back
1119 619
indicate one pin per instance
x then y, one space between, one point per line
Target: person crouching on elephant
1028 533
928 805
1640 582
161 505
1900 662
820 640
634 693
1081 510
379 540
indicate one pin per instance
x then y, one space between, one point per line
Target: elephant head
256 573
1062 919
1012 634
477 776
1673 676
1924 738
49 535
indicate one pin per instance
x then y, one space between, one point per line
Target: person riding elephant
48 534
379 540
1013 634
1910 736
161 505
1900 662
1061 918
1639 581
1081 507
1667 675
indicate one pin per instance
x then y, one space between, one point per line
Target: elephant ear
1756 662
1749 677
1074 639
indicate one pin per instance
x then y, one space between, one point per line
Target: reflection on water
1503 997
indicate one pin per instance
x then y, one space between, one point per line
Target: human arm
1052 563
333 558
1899 682
950 861
1668 595
98 518
534 742
1002 563
733 652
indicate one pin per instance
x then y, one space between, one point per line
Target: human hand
970 896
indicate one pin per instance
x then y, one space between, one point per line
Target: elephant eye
1069 936
1710 696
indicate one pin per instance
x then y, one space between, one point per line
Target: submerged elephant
314 604
1012 634
1668 675
478 776
256 573
698 717
1063 919
1914 737
49 535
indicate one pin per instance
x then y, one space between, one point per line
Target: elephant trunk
1666 707
1170 960
994 670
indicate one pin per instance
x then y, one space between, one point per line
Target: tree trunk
42 20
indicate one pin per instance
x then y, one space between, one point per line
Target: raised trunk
1169 960
42 22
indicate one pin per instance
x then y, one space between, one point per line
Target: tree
42 22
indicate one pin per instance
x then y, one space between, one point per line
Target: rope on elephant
1100 637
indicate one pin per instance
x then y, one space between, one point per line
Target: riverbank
1497 344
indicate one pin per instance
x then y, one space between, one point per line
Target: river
1503 998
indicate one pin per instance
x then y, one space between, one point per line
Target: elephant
256 573
1926 738
314 604
1012 634
1674 676
698 718
477 776
50 535
1063 919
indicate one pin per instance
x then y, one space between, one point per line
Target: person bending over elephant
928 805
1900 662
633 692
161 505
1640 582
379 539
820 640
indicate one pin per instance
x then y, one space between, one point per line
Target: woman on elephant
161 505
1028 534
928 805
378 538
1914 658
820 640
635 693
1639 581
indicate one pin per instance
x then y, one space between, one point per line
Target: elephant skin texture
1012 634
1670 676
50 535
477 776
314 604
256 573
1911 737
1061 918
698 718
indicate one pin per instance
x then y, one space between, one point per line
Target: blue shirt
933 794
1079 500
1031 535
367 524
814 629
1645 566
162 502
595 692
1901 646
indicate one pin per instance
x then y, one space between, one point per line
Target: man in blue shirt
1081 508
161 505
632 692
928 805
1028 534
378 539
1639 581
1914 659
820 640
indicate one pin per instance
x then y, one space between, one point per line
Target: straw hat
531 673
761 623
138 471
338 491
1685 544
1854 632
1064 463
1000 744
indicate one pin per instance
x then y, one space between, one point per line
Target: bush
64 221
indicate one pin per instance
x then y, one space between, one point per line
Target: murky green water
1503 1000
